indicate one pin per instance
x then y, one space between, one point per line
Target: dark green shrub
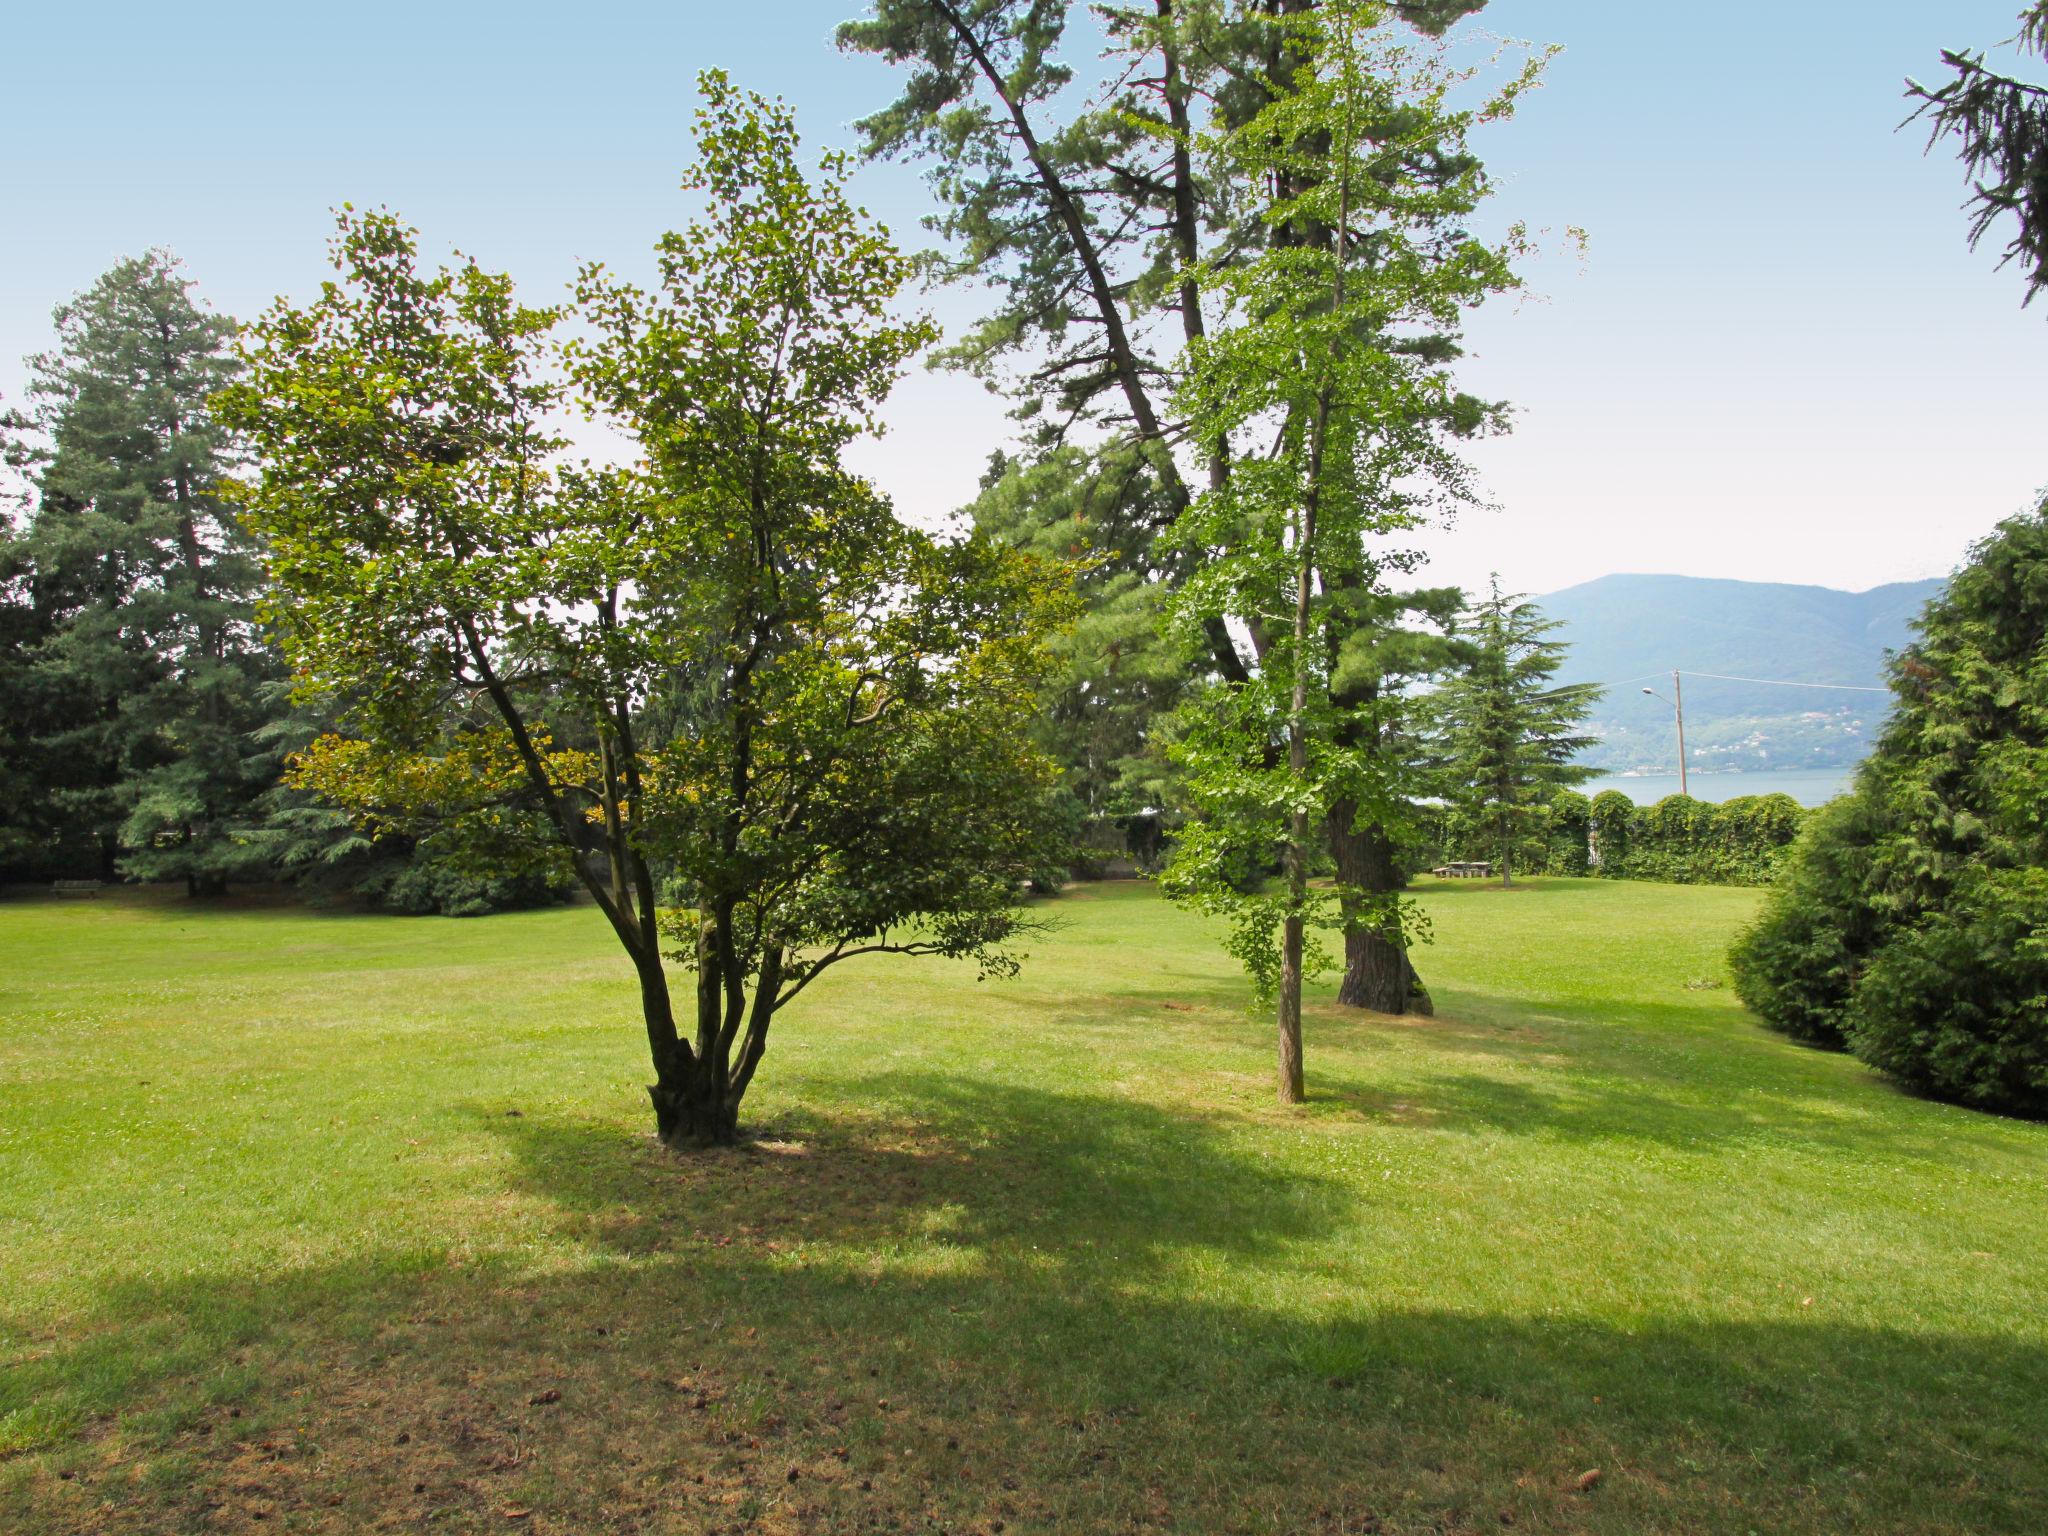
1916 923
1694 842
1568 822
1753 835
1956 1006
1797 965
427 886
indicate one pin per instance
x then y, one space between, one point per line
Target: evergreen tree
1908 923
1120 675
144 584
1509 726
25 831
1089 216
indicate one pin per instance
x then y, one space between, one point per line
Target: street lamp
1677 703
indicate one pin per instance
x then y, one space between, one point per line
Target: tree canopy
724 670
144 665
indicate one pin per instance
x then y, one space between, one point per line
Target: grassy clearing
336 1224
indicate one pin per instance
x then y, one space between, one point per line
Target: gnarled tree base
689 1116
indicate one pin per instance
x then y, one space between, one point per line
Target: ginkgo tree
767 725
1330 355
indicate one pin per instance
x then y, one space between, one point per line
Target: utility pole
1678 706
1677 703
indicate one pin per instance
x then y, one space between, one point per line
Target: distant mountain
1630 631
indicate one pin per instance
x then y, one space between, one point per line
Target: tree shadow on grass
1012 1309
969 1164
1668 1075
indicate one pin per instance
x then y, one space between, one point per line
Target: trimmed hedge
1685 841
1680 840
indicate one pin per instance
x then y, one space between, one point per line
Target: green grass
301 1214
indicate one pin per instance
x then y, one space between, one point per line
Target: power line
1722 677
1778 682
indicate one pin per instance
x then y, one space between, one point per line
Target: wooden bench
79 887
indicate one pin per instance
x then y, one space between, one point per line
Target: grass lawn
325 1223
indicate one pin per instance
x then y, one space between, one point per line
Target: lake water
1809 786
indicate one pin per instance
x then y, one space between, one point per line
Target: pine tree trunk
1378 973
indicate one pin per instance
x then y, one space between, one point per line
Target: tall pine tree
2000 126
142 584
1088 216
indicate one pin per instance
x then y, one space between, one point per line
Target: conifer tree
1089 217
1510 727
2001 127
143 584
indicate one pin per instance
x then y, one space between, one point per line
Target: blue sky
1778 359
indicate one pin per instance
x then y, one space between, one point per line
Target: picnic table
1464 871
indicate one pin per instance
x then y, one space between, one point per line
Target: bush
1956 1006
1797 965
1614 817
1566 834
1913 923
426 886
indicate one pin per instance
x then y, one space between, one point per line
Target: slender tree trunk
697 1093
1293 1088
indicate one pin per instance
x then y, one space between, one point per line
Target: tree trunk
1378 973
1292 1085
692 1109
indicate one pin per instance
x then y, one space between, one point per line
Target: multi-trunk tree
725 668
1510 730
147 670
1092 225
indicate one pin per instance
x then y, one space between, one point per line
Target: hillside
1621 629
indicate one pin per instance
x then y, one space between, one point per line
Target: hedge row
1679 839
1692 842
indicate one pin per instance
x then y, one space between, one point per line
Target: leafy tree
1309 358
1091 217
150 657
1909 921
2001 127
728 663
1510 727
